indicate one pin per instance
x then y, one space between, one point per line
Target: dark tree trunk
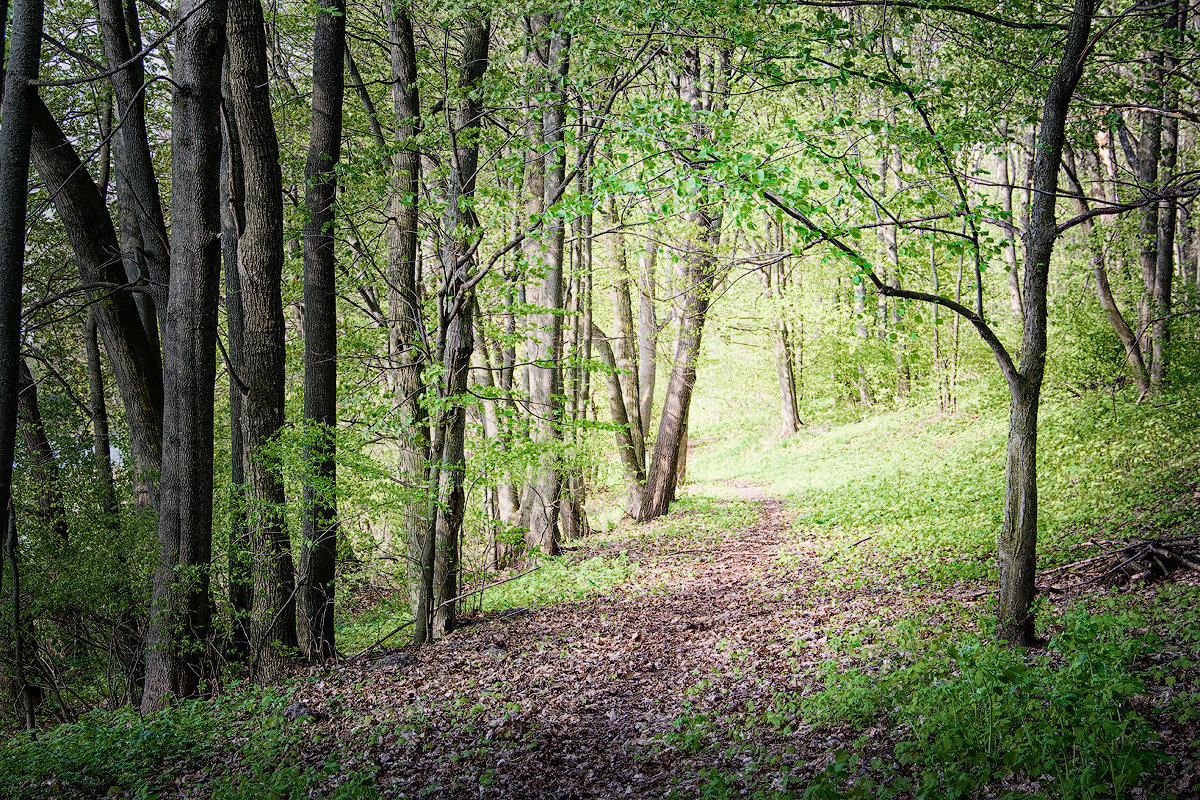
98 405
180 616
1018 539
122 39
440 554
318 558
135 359
273 641
1164 272
43 467
635 475
407 352
16 111
241 579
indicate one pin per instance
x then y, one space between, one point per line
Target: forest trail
583 699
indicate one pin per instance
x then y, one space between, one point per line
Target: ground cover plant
750 644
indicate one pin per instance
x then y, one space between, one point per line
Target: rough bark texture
273 641
241 580
406 349
180 615
1164 272
318 556
1018 539
135 359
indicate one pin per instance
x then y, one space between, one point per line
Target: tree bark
233 214
273 641
1164 271
546 380
98 405
318 556
699 273
122 39
407 353
647 335
440 556
1018 539
135 359
15 142
180 615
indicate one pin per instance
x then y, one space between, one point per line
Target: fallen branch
383 639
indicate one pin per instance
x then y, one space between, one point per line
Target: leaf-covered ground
693 680
822 633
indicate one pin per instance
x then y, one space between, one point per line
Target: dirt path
580 700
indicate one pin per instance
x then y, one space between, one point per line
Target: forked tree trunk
440 554
180 615
273 642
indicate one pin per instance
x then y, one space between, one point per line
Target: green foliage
968 712
242 740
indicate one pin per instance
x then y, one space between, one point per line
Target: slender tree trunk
647 334
1018 540
134 356
624 342
440 557
406 348
1164 272
1005 179
180 615
122 39
98 405
318 556
43 467
233 215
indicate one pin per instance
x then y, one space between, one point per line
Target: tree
260 268
318 558
180 614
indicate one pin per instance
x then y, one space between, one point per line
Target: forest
708 398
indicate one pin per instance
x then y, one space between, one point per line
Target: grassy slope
911 698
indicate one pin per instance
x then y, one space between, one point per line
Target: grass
964 715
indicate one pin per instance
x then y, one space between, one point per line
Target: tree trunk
136 364
318 556
43 467
1018 539
699 273
180 614
647 335
122 39
233 214
15 141
98 405
1164 271
407 354
1010 239
273 641
440 556
546 378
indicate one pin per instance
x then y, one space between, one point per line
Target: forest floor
688 681
812 620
